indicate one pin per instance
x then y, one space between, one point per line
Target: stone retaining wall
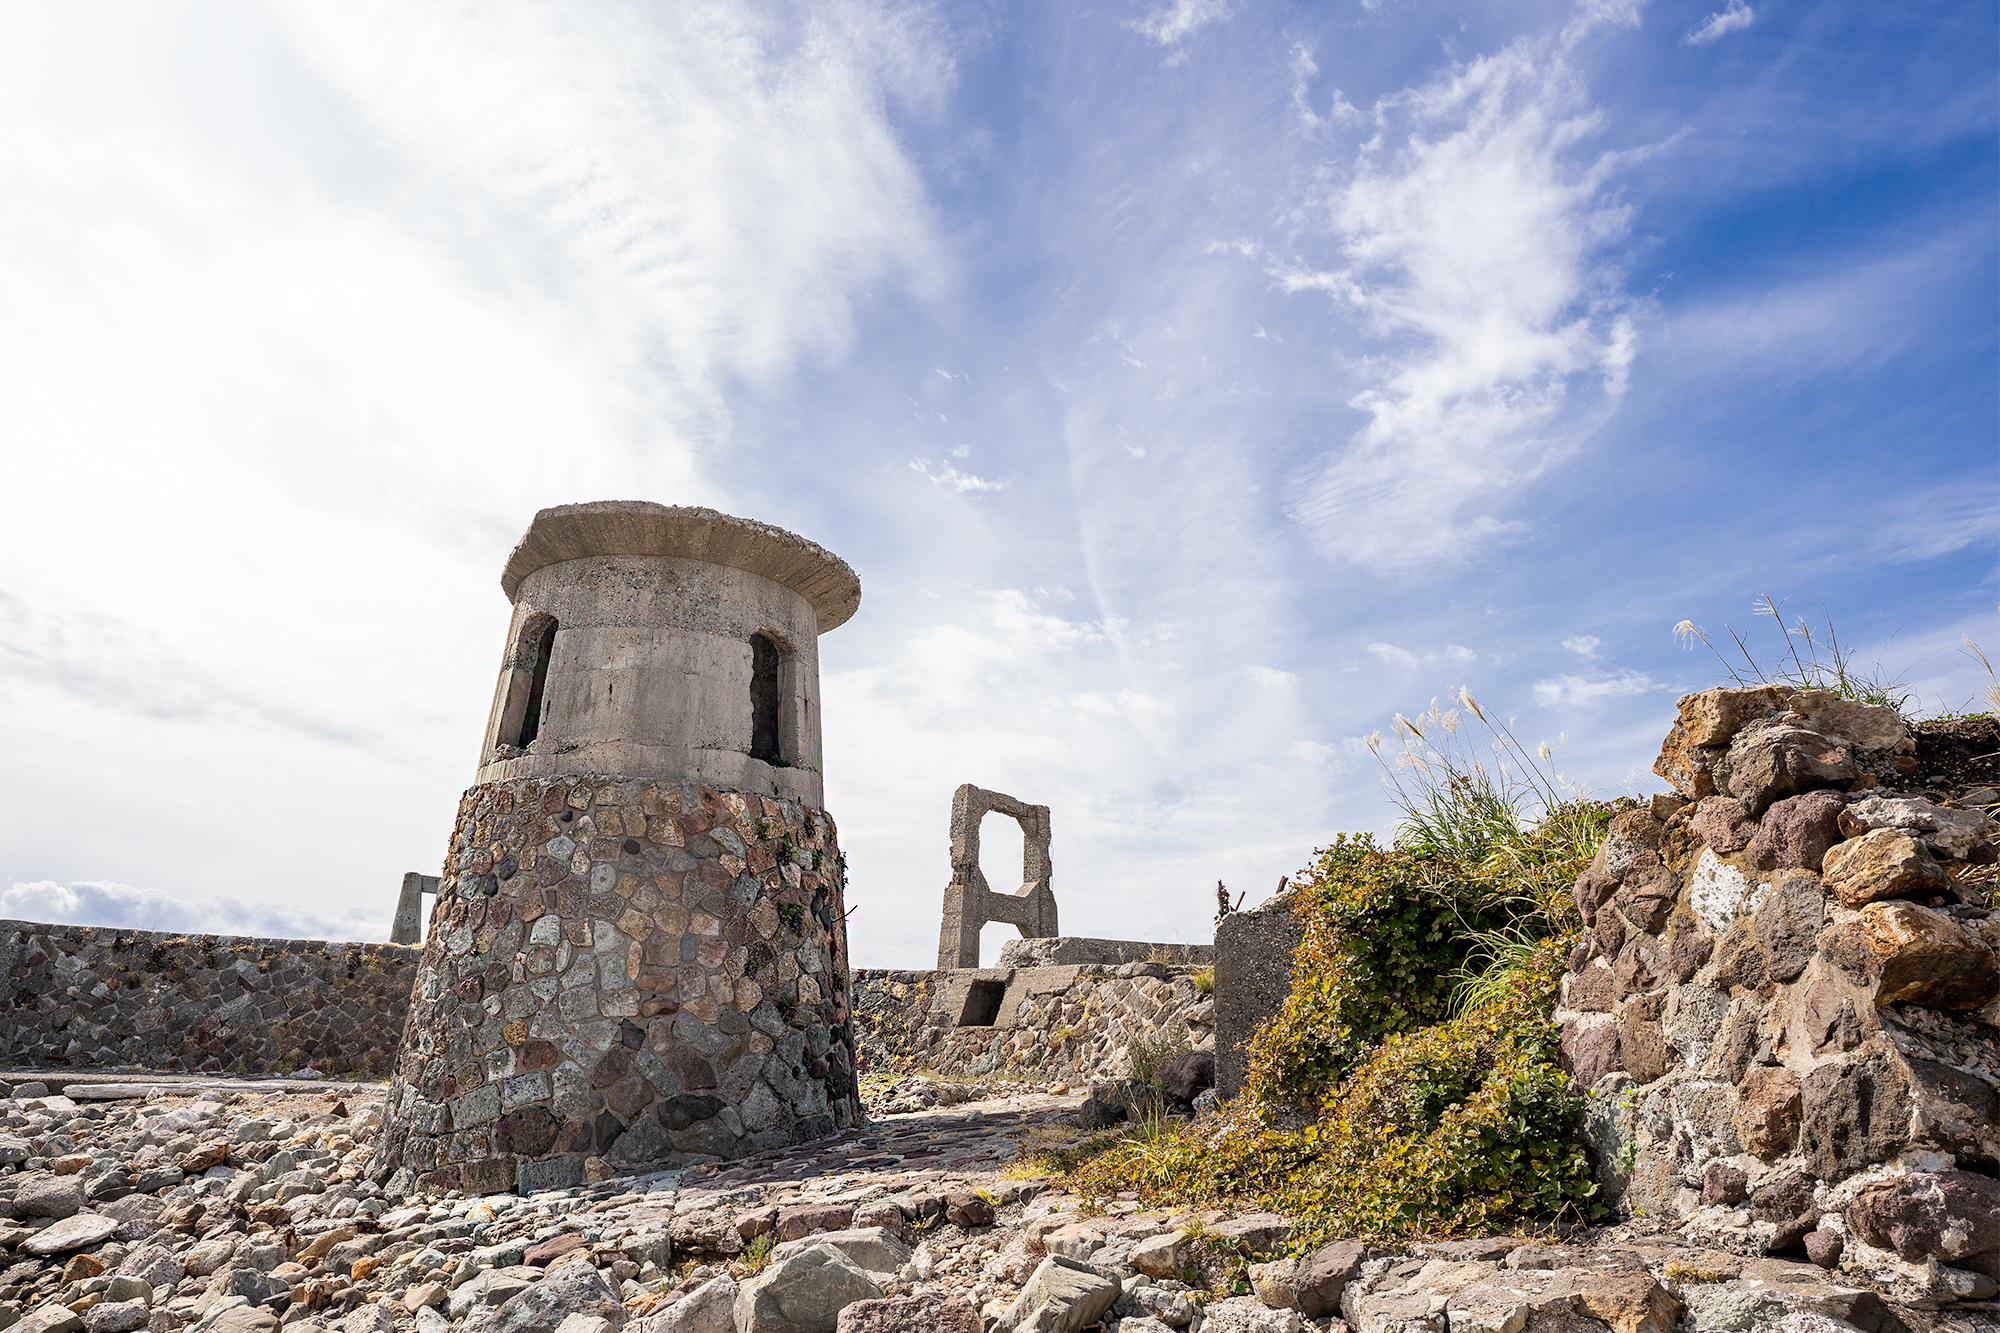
1052 1023
87 997
1786 998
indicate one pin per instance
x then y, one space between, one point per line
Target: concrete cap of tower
641 527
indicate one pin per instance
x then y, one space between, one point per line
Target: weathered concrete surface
1253 975
969 903
1070 950
650 669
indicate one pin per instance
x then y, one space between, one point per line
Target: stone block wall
1070 1024
1787 999
88 997
643 972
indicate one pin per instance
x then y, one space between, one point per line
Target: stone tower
639 950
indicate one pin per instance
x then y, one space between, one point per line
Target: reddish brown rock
1945 1215
1724 1184
543 1253
1825 1247
966 1208
1902 952
1768 1106
527 1132
1724 825
1591 1052
809 1219
1797 831
1882 863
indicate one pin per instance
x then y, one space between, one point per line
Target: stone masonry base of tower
641 971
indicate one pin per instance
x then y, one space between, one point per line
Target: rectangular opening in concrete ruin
543 647
764 696
982 1004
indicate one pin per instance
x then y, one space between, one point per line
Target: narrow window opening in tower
763 699
531 715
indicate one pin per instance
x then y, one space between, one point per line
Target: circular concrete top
640 527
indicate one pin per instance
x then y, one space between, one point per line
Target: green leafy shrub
1418 1035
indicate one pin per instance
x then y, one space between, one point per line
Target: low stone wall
84 997
1050 1023
1786 998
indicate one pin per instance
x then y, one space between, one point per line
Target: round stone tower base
650 973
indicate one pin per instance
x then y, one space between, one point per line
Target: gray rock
803 1294
1731 1306
709 1308
42 1195
251 1319
1187 1075
1255 1233
1062 1296
50 1317
873 1248
568 1288
1324 1274
1244 1314
932 1312
156 1264
117 1317
72 1233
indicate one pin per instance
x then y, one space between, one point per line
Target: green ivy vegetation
1410 1085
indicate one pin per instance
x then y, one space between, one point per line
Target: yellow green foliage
1388 934
1417 1049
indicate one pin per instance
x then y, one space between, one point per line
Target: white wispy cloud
1583 645
1475 225
1583 691
946 477
1170 23
1304 67
107 903
1406 659
1721 23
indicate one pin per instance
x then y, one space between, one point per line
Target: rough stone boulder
1882 863
1948 832
932 1312
1901 952
1062 1296
804 1293
1945 1215
1187 1074
1772 758
1724 825
872 1248
1797 832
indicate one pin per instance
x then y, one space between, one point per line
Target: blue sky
1193 385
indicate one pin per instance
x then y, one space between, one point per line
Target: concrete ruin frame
968 903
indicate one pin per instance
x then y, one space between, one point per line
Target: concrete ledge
1072 951
641 527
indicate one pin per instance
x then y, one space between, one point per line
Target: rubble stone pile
249 1213
1786 996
